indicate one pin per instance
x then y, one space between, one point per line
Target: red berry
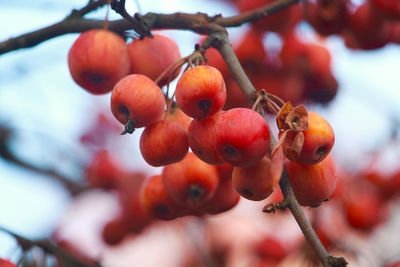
97 60
156 201
190 182
241 136
312 184
201 92
202 141
152 56
164 142
138 98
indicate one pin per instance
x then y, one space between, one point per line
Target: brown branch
48 247
7 154
199 23
221 42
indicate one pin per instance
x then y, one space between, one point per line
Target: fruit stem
129 127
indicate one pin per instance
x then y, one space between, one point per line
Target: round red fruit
152 56
202 141
97 60
139 99
190 182
164 142
201 92
241 136
312 184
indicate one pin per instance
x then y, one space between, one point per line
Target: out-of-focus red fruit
225 171
393 264
319 139
201 92
156 201
389 9
6 263
175 114
367 30
312 184
395 32
164 142
224 199
278 22
202 141
321 89
98 133
152 56
103 171
115 231
327 17
242 136
251 53
190 182
255 181
214 59
362 208
270 248
129 197
235 98
138 98
97 60
287 85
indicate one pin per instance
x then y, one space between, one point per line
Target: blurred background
48 116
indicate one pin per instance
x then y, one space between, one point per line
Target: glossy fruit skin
97 60
190 182
241 136
156 201
312 184
163 142
254 182
319 139
6 263
201 139
175 114
152 56
138 98
200 92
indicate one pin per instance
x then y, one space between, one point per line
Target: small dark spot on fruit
161 209
320 152
124 110
205 104
96 78
230 150
195 192
246 192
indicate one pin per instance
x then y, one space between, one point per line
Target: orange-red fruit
241 136
156 201
201 139
389 9
201 92
190 182
254 182
312 184
152 56
318 141
163 142
97 60
270 248
138 98
175 114
103 171
225 197
115 231
6 263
